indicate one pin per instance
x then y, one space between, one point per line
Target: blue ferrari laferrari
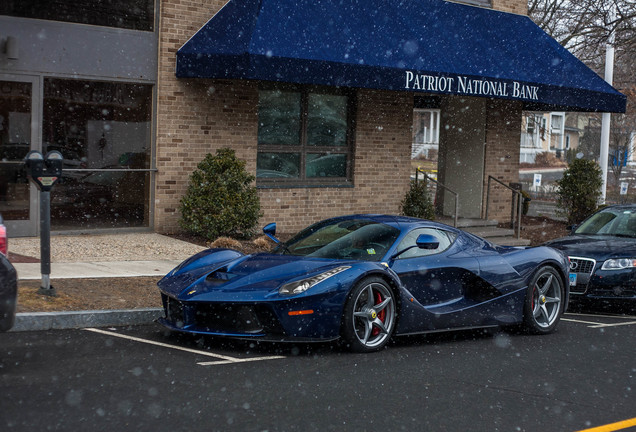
365 279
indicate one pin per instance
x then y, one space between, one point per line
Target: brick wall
514 6
196 116
503 135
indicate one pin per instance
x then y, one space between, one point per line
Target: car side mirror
427 241
270 231
423 241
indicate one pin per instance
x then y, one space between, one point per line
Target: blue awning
423 46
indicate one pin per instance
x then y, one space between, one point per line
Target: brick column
503 137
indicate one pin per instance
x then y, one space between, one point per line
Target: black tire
544 302
369 316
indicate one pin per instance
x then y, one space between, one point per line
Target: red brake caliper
381 314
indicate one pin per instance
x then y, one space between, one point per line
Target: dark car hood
599 247
258 272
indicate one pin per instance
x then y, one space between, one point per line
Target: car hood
599 247
258 274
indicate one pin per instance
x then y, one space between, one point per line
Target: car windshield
613 222
356 239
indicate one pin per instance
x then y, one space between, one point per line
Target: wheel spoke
380 325
369 292
546 286
552 300
545 314
380 306
368 327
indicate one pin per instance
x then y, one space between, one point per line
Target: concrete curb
36 321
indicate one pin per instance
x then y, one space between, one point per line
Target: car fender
206 258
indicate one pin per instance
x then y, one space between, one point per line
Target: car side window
445 239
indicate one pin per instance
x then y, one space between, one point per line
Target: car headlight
619 264
303 285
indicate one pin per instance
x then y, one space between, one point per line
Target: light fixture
11 48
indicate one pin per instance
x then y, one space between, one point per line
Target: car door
436 277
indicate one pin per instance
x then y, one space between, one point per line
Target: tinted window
303 137
610 222
104 127
356 239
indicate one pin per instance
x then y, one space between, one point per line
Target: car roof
400 222
620 207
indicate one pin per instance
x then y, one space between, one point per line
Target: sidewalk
97 269
97 256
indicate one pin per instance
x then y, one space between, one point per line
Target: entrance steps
487 229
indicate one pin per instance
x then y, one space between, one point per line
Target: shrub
547 159
417 201
579 190
221 199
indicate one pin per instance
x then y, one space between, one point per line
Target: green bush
579 190
221 199
417 202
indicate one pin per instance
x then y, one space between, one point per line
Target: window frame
303 148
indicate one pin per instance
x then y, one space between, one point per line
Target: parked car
8 283
602 252
365 278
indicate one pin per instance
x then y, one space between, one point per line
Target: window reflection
15 143
98 126
100 200
303 137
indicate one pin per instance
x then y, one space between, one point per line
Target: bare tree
583 27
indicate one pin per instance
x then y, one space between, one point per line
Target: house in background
551 133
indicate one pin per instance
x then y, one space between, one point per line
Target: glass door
19 97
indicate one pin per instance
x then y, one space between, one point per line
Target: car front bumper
299 319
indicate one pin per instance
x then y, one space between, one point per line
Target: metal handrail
519 197
455 194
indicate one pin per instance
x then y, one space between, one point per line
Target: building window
127 14
103 130
556 123
534 130
304 137
425 133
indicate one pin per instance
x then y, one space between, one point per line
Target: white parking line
596 324
223 358
579 321
624 317
614 325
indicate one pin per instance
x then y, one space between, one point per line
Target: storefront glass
103 130
15 143
128 14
